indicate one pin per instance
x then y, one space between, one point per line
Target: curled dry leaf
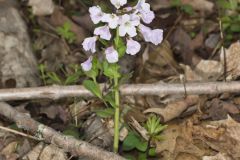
232 60
174 109
41 7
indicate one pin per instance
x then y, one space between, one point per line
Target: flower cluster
127 22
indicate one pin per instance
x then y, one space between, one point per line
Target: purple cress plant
128 21
117 32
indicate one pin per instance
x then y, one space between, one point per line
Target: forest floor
42 46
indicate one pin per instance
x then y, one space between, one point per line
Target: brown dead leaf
170 135
51 152
218 109
181 43
41 7
97 132
232 60
174 109
219 156
210 70
159 63
35 152
9 149
205 70
229 141
53 111
58 19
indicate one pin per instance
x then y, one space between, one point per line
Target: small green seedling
134 141
183 7
66 33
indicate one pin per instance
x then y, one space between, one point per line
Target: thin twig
19 133
68 143
57 92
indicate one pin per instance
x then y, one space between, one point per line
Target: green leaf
235 27
129 157
93 87
142 156
110 99
130 141
224 4
187 9
142 146
119 45
111 70
152 152
72 79
54 77
93 73
72 131
65 32
175 3
105 113
125 78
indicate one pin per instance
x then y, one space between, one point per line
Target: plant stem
116 116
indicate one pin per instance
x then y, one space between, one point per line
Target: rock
18 66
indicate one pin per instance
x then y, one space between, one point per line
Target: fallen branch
69 144
57 92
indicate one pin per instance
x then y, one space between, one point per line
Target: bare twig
69 144
18 133
57 92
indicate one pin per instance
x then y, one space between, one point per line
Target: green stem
116 116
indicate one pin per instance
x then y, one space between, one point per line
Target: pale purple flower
111 55
146 32
143 9
118 3
147 17
142 6
87 65
128 25
133 47
157 36
103 32
89 44
127 9
112 20
96 14
135 19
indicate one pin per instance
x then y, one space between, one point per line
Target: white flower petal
111 55
89 44
147 17
157 36
87 65
96 14
118 3
133 47
112 20
103 32
122 31
146 32
132 31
